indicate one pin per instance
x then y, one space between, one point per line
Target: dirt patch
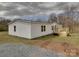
45 43
63 47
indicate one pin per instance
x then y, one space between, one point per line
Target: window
52 28
14 28
43 28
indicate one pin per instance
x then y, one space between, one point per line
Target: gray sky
32 8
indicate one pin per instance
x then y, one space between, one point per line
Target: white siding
36 29
22 29
29 30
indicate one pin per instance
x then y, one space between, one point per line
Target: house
29 28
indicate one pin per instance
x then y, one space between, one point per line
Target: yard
67 45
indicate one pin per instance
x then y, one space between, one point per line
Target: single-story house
29 28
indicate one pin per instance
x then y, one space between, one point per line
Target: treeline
69 22
66 21
4 24
69 18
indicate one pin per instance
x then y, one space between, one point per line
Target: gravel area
21 50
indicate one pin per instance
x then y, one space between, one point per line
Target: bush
4 25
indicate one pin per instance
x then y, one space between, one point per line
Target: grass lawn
5 38
49 41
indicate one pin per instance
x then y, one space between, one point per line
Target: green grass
5 38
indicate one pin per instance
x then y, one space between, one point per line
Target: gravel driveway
21 50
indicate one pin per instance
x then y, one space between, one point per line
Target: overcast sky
32 8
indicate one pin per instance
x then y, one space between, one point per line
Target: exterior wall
22 29
36 29
28 30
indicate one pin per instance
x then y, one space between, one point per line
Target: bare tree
52 18
67 19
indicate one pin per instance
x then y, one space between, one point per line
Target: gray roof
28 21
33 19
